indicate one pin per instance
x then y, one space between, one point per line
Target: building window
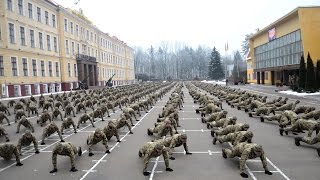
87 34
20 5
50 69
72 48
66 25
71 27
25 66
9 5
32 43
75 70
46 15
67 46
53 20
69 69
57 69
34 67
40 40
22 36
55 44
48 43
266 75
14 66
30 10
77 30
1 66
43 71
39 14
11 33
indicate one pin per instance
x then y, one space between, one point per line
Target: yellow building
45 47
276 50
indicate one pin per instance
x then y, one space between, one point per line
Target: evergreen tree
318 75
310 84
302 73
215 69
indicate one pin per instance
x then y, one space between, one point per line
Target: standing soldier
95 138
65 149
26 123
152 150
7 150
4 133
111 130
246 151
67 123
50 129
26 140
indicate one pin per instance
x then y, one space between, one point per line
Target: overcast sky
194 22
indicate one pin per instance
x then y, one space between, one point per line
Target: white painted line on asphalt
46 151
264 171
286 177
209 152
86 131
157 161
98 162
194 130
156 172
89 171
154 168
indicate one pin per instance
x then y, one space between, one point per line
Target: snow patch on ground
214 82
290 92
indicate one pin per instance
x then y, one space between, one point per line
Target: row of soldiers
226 129
289 116
7 150
167 121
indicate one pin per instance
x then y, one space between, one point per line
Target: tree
318 75
245 44
215 68
310 84
302 73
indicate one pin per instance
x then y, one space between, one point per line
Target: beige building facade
45 48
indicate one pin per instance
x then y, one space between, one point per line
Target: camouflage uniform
83 119
152 150
276 117
121 122
65 149
26 139
290 106
162 130
2 117
288 117
43 118
95 138
215 116
222 122
111 130
302 124
246 151
235 138
262 110
129 112
7 150
50 129
313 114
68 110
67 123
56 112
232 128
4 133
304 109
26 123
175 141
19 114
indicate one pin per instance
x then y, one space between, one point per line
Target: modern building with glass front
276 50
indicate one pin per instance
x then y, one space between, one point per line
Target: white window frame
28 90
27 66
19 90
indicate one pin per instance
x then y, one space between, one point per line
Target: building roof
285 17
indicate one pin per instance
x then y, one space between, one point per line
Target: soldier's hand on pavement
54 170
244 175
169 169
73 169
172 158
188 153
118 141
62 140
43 143
37 152
131 132
268 172
108 151
91 154
19 164
146 173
